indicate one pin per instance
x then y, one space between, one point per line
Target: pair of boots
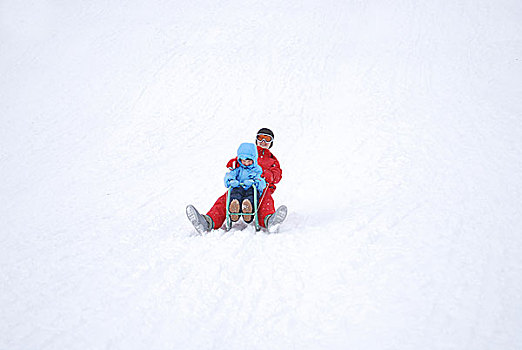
246 208
203 223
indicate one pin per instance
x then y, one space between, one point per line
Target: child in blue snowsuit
241 180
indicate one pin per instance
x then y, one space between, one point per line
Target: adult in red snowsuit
272 174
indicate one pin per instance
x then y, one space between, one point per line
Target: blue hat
247 151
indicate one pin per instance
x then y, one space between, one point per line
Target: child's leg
236 195
247 204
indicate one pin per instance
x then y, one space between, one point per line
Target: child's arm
259 181
260 184
230 179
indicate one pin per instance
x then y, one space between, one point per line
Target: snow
398 127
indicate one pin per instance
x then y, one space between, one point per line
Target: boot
202 223
247 208
234 208
276 218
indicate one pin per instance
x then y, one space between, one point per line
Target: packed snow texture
398 125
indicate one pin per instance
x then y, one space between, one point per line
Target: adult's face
264 140
263 144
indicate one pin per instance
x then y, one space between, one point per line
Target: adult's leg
266 207
218 212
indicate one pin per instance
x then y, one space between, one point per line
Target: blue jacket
252 172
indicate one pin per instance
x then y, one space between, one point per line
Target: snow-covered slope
398 127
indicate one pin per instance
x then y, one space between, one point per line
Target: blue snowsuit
242 173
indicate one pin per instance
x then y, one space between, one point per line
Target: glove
233 183
248 183
269 177
261 184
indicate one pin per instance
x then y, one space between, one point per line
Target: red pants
218 212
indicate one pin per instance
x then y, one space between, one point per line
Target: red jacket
272 172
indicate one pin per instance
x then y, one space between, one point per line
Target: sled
228 220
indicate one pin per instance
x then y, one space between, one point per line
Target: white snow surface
398 126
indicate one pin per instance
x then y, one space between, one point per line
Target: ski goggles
264 137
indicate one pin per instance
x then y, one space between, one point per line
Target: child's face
247 162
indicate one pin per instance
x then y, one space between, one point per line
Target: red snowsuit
272 174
